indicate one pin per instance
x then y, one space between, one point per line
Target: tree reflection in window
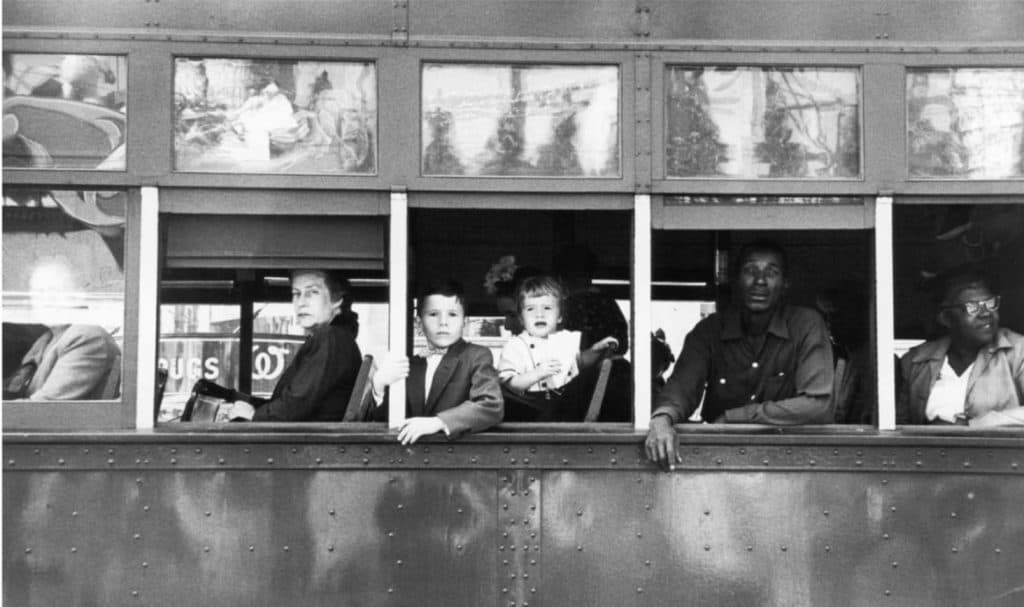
750 122
966 123
511 120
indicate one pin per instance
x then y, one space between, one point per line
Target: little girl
540 364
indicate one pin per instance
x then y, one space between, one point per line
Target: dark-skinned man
760 361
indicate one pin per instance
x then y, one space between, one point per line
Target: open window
225 300
492 251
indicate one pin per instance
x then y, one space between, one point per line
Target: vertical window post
145 361
641 311
886 338
397 296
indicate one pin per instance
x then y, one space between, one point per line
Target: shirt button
721 380
753 397
754 364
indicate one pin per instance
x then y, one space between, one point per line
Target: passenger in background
452 386
540 366
587 310
67 360
661 360
975 374
844 307
759 361
317 383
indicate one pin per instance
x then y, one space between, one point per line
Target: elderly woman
975 374
318 382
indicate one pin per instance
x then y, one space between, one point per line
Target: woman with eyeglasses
974 375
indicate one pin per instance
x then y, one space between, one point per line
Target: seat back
112 385
358 409
841 392
600 387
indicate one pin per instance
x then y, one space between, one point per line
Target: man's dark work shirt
783 377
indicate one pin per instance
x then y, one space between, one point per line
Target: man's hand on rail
661 443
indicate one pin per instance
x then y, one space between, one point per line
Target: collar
937 349
430 350
732 325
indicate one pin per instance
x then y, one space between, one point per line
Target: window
520 121
63 294
753 122
65 111
965 123
275 116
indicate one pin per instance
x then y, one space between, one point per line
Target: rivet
109 451
331 511
367 460
138 481
1013 465
504 590
952 515
590 449
366 449
173 461
501 548
784 548
696 450
533 590
458 546
135 593
136 536
512 460
198 451
750 548
505 450
294 450
825 512
718 461
206 548
330 548
36 451
391 590
647 506
341 449
138 461
146 508
743 451
28 551
835 452
74 550
451 449
391 534
220 460
526 521
639 590
512 577
145 564
512 547
426 460
207 513
955 549
812 462
534 450
888 592
967 464
473 459
998 551
565 461
579 512
765 461
647 562
74 513
270 460
10 462
885 536
860 453
526 460
579 547
708 547
504 506
425 450
534 561
789 451
895 564
60 461
399 562
173 450
828 548
319 460
892 508
252 548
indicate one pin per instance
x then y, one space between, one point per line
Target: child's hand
609 344
549 368
415 427
389 369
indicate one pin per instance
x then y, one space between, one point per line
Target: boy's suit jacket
465 392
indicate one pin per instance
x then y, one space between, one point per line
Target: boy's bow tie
434 351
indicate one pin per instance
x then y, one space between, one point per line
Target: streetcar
165 166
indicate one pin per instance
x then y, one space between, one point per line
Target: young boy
538 366
452 386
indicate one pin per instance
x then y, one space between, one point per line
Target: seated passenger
67 360
594 314
452 386
540 366
317 383
975 374
760 361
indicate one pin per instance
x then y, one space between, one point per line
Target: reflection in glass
63 294
512 120
246 115
965 123
762 122
65 111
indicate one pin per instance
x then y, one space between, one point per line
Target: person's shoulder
931 349
1012 339
90 333
474 351
801 314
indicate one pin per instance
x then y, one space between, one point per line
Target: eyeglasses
974 308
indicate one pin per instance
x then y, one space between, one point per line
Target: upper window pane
63 294
754 122
520 121
65 111
274 116
965 123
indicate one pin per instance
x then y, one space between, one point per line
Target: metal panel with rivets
511 519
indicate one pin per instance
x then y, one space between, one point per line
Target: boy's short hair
444 288
535 286
337 285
